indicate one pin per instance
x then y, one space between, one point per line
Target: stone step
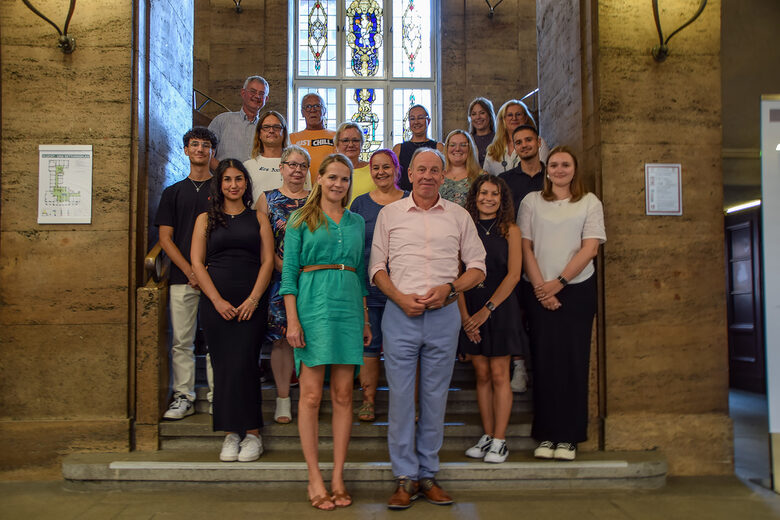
461 399
285 468
460 432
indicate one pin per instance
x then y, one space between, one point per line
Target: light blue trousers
433 339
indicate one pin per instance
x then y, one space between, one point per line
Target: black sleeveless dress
407 150
233 261
502 333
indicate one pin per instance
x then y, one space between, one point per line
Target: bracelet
367 323
254 301
563 281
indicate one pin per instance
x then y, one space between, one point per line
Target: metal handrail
208 100
533 103
156 263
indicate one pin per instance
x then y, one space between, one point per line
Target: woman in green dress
324 288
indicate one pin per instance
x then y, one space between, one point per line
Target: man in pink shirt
422 239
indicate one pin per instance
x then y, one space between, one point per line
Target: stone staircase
189 452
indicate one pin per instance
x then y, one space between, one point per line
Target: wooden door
745 303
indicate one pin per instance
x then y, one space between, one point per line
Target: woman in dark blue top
385 171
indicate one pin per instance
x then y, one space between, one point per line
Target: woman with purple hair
385 171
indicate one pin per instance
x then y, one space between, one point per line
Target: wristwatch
490 306
453 294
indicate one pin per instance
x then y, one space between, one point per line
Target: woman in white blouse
562 228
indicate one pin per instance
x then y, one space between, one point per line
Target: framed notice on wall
64 184
663 189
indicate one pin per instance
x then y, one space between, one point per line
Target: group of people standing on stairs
436 257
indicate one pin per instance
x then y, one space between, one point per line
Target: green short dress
329 301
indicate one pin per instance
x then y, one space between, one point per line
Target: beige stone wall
665 371
66 312
229 47
495 58
64 309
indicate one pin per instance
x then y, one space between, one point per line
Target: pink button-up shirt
421 246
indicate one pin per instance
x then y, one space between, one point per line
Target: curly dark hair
216 212
506 209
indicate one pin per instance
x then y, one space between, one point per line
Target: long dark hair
506 209
216 213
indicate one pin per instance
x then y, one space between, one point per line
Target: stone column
664 372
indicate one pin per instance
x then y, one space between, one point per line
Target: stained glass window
412 38
367 58
365 106
317 38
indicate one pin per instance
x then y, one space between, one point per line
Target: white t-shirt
557 229
266 175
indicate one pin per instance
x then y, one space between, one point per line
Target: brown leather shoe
433 493
405 494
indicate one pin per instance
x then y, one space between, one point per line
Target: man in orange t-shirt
316 139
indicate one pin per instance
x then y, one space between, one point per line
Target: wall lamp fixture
492 7
661 51
67 42
239 9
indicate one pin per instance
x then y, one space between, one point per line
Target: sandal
341 495
283 415
366 412
319 500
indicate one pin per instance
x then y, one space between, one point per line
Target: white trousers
184 321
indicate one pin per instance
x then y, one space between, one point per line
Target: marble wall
665 372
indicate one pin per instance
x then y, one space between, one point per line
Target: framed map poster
64 184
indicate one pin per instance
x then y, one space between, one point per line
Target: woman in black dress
237 246
490 313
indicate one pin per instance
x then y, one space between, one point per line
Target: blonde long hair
497 148
473 167
311 213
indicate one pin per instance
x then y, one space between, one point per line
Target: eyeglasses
418 118
349 141
296 165
312 108
254 92
200 144
458 145
269 128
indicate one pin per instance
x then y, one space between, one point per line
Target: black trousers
560 355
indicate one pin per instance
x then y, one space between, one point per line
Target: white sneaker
519 381
229 451
498 451
565 451
251 448
180 408
545 450
479 450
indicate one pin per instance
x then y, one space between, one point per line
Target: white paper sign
64 184
663 189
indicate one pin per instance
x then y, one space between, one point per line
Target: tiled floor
738 497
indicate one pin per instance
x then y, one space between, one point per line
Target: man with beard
527 176
180 204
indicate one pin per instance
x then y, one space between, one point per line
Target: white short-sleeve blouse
557 229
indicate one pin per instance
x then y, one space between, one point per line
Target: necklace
487 231
235 215
197 186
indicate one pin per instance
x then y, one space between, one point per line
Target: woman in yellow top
349 141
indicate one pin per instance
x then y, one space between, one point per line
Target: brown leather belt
338 267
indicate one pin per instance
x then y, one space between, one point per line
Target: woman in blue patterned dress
278 204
